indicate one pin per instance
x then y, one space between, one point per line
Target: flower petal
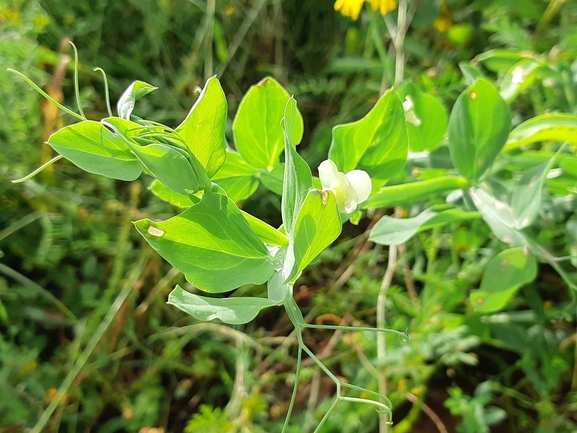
361 183
328 174
346 195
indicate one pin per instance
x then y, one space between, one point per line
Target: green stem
76 86
38 170
46 95
106 90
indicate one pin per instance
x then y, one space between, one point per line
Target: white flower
350 189
410 115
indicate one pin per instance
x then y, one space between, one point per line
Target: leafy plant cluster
483 234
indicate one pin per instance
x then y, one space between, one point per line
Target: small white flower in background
350 189
410 115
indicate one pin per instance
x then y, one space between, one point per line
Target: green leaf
558 127
518 78
95 149
411 192
204 127
267 233
318 224
470 72
169 195
432 116
257 130
377 143
504 275
212 244
273 179
172 166
527 195
297 174
499 216
501 60
236 177
395 231
133 93
478 128
234 311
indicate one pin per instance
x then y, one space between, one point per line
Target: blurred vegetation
69 254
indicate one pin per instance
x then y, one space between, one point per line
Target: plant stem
381 342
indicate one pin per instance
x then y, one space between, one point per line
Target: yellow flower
352 8
349 8
383 6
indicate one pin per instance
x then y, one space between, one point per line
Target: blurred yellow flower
383 6
352 8
349 8
445 20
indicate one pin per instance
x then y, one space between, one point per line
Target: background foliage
68 249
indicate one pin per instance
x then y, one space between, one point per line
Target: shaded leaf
504 275
234 311
236 177
478 128
395 231
558 127
527 195
169 195
172 166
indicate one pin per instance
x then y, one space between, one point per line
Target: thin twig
381 322
429 412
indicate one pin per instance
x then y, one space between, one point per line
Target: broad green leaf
527 195
273 179
133 93
95 149
297 174
236 177
499 216
504 275
558 127
478 128
502 60
377 143
204 127
267 233
395 231
318 224
234 311
396 195
172 167
128 128
518 78
257 129
169 195
431 116
470 72
212 244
